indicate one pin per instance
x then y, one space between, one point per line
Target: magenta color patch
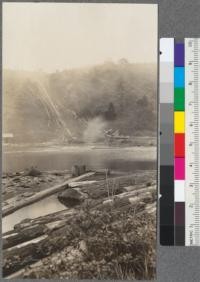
179 168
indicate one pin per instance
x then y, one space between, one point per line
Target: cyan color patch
179 77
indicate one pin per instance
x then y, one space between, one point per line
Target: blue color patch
179 77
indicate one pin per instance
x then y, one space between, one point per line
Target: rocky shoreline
107 231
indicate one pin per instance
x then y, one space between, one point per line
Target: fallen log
27 230
117 185
104 171
138 196
95 193
27 243
21 237
58 172
17 258
30 229
81 183
130 200
43 194
135 192
30 256
20 256
26 272
28 223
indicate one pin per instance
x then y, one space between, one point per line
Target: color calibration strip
179 144
166 173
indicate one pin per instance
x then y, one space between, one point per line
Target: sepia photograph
79 104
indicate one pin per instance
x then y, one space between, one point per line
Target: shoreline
62 148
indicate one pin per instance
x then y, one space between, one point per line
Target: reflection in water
127 159
43 207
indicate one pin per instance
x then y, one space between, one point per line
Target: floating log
43 194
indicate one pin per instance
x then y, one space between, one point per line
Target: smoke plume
95 130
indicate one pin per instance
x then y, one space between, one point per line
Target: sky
58 36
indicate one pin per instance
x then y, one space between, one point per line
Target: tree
121 95
143 102
110 114
123 61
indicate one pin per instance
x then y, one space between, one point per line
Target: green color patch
179 99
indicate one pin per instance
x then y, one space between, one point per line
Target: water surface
126 159
40 208
61 158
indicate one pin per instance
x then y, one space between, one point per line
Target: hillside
80 103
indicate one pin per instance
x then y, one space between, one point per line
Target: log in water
43 194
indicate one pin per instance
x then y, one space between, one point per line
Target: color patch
179 99
180 231
179 168
179 77
180 213
179 122
179 191
179 145
180 224
166 73
166 93
179 55
167 50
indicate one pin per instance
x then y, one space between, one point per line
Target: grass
119 246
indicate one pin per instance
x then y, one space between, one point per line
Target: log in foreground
112 214
43 194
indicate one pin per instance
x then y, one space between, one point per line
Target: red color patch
179 145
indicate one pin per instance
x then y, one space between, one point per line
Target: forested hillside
39 106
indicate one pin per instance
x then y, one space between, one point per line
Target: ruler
192 141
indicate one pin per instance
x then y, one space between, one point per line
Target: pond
45 206
61 158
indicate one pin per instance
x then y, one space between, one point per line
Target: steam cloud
94 130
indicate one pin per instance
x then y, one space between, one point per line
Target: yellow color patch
179 122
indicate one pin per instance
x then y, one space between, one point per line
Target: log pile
34 244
